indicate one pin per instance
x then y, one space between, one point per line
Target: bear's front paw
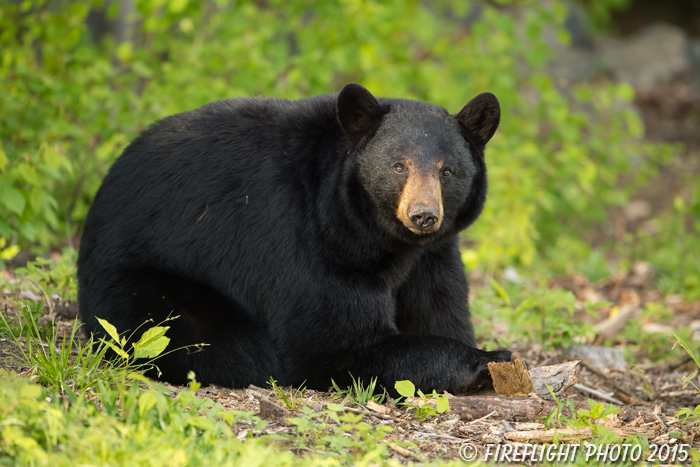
501 355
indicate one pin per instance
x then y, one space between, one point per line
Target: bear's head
422 168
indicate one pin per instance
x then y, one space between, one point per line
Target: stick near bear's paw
514 379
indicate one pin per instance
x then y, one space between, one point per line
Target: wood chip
511 378
374 407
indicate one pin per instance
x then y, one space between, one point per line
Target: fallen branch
518 409
568 434
612 326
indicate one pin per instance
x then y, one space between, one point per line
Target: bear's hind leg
239 351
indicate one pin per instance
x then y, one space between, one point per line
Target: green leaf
405 388
443 404
5 228
501 292
30 391
28 173
336 407
3 159
13 199
152 342
118 350
111 330
146 402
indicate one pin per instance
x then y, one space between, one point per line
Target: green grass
61 362
358 393
295 394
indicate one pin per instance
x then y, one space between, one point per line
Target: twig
365 411
663 425
597 371
404 452
598 394
437 435
482 418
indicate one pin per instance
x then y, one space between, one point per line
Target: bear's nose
424 219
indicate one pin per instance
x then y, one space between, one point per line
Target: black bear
304 240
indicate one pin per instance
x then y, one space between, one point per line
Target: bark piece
511 378
558 377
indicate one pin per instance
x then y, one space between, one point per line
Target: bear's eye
399 168
446 172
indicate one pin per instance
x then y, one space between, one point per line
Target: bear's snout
420 205
424 218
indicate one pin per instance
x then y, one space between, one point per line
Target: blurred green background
80 79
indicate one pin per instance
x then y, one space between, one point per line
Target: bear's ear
480 117
358 111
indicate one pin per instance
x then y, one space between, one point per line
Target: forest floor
648 394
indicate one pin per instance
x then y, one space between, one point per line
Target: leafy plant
133 423
344 434
597 411
545 315
423 408
671 247
557 416
565 414
654 346
686 413
52 276
7 251
144 352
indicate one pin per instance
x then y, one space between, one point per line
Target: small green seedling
146 350
423 410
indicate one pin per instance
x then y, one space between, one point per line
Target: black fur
269 226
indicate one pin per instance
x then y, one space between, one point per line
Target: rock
637 209
694 51
656 54
270 411
573 65
599 356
